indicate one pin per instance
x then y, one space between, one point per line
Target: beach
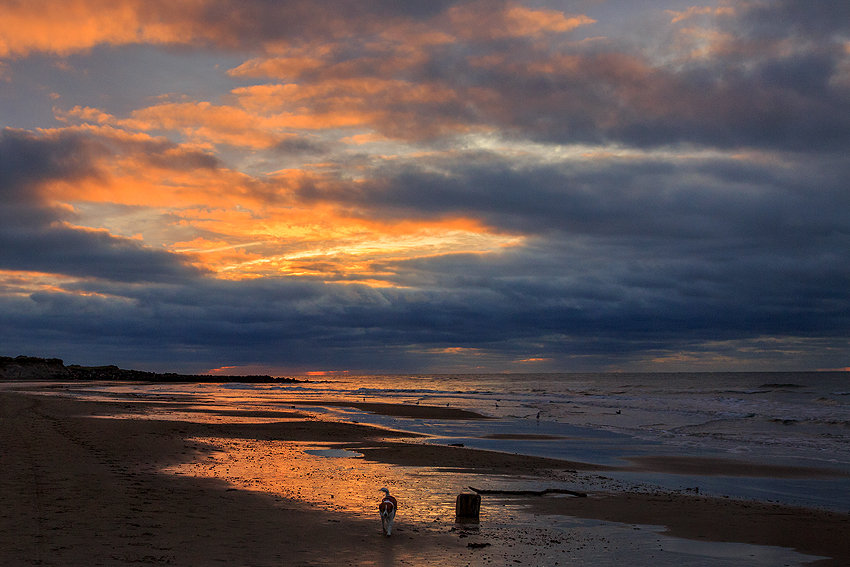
94 482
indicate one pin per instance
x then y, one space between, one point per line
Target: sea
799 419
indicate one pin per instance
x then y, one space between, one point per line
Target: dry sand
78 488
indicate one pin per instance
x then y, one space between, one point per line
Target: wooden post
468 506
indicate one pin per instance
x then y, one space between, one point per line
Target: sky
281 187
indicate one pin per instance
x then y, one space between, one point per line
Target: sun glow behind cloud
343 254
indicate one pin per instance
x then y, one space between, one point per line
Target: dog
387 508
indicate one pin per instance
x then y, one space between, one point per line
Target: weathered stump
468 506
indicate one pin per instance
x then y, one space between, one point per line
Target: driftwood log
530 492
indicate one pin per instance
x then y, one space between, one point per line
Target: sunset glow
426 187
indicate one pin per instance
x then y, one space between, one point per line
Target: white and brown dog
387 507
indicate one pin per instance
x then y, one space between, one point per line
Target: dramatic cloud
66 26
636 196
37 236
426 186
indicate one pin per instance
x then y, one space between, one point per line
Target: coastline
86 488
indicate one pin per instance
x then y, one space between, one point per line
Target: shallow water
772 418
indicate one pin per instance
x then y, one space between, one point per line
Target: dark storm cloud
59 249
26 161
779 80
778 101
554 300
781 18
625 258
631 253
660 198
35 235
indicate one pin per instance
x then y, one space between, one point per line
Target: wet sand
811 532
729 467
80 488
396 410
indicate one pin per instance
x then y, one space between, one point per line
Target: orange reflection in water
349 485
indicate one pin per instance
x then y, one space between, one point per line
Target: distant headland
33 368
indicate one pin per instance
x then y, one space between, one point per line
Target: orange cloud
238 226
141 170
266 115
203 121
263 231
131 180
362 93
24 283
204 124
694 11
220 256
522 21
325 242
386 105
339 94
479 20
362 139
280 67
66 26
462 351
63 27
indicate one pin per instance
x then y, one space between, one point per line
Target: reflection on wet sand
427 478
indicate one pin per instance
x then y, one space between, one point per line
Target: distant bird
387 508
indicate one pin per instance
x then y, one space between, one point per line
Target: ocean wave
406 391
